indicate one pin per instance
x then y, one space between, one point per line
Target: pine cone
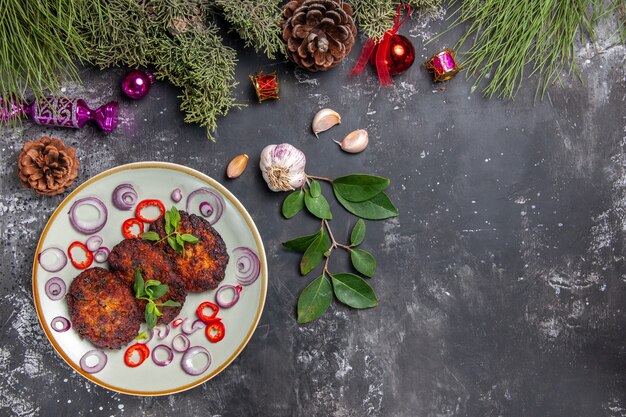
319 33
47 166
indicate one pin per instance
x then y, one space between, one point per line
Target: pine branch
257 23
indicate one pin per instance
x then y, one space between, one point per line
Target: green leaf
359 187
363 262
352 290
317 206
314 253
315 188
189 238
150 235
175 218
358 233
179 240
157 312
293 204
168 223
301 243
150 317
159 291
141 336
152 283
378 208
314 299
169 303
172 243
138 285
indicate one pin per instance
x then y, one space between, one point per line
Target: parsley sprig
150 291
174 238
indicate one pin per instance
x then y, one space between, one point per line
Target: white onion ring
176 195
86 227
216 203
65 324
55 288
93 243
102 254
58 264
163 333
124 197
220 295
248 265
187 361
194 327
159 362
185 341
102 361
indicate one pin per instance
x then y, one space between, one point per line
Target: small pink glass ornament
62 112
137 84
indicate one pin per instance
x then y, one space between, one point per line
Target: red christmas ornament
136 84
399 57
393 53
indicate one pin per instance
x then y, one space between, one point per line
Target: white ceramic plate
153 180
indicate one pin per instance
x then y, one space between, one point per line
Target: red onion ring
102 254
220 295
59 262
185 341
216 204
149 335
176 195
248 265
55 288
63 322
162 362
163 333
93 243
194 327
124 197
102 361
187 361
89 227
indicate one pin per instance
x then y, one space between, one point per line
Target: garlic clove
236 166
355 141
324 120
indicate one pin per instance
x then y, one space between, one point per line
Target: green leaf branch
151 290
365 197
174 238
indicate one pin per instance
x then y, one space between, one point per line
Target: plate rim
227 194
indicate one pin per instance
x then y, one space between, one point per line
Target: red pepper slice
127 228
177 322
215 331
140 348
147 203
88 254
204 317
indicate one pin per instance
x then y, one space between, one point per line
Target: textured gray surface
502 285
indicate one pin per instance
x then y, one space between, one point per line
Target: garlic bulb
324 120
283 167
354 142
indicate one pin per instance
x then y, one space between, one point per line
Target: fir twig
257 22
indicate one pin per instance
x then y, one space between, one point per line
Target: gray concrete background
502 284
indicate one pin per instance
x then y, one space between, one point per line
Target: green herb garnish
142 336
150 291
175 239
365 197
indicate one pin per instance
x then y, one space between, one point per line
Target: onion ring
161 362
216 203
163 333
102 361
63 322
176 195
124 197
149 335
248 265
185 341
93 243
59 262
187 361
102 254
55 288
89 227
194 327
220 295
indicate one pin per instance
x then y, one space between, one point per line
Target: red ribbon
383 48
